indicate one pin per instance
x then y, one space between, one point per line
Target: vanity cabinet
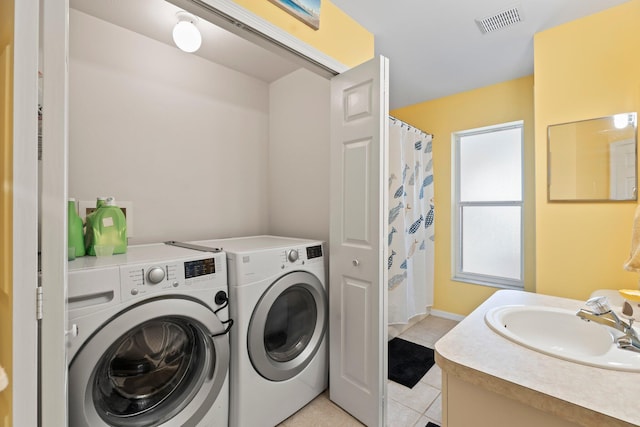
490 381
466 404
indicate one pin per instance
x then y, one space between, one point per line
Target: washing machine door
162 362
287 326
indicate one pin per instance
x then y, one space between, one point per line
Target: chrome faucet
601 313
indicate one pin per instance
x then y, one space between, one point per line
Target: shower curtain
411 216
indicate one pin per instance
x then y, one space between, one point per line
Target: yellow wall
339 36
584 69
500 103
6 206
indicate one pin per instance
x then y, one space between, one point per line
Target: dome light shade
185 34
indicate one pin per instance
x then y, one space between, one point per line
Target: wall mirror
593 160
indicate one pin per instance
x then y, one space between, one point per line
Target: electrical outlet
85 208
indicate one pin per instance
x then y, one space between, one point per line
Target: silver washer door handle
356 262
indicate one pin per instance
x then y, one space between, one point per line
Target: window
489 206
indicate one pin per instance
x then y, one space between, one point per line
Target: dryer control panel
308 253
251 260
314 251
301 255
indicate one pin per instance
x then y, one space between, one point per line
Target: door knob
73 332
356 262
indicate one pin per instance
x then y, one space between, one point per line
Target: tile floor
407 407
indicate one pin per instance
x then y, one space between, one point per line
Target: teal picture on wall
308 11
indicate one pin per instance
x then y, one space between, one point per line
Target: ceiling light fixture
185 34
621 121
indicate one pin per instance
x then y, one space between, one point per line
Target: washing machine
278 300
148 341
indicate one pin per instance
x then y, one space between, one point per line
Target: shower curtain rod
409 126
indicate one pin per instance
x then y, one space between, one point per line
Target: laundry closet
199 150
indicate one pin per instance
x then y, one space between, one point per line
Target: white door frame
24 381
53 363
234 18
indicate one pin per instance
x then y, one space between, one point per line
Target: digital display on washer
199 268
314 251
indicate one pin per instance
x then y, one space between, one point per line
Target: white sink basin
562 334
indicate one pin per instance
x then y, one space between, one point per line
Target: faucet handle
631 311
599 305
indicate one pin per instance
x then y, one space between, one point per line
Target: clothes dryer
149 344
278 300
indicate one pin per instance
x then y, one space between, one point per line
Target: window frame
457 274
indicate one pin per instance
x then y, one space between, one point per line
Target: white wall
299 156
184 139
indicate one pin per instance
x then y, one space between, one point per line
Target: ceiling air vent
499 20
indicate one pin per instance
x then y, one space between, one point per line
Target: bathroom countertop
585 395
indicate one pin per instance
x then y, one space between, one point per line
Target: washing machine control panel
145 279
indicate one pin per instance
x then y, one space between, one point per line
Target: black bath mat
408 362
430 424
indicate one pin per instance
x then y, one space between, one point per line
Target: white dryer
278 300
150 344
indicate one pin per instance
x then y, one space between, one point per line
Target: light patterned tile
406 407
321 412
420 336
440 325
423 421
435 411
418 398
399 415
433 377
428 331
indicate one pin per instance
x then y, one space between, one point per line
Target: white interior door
358 273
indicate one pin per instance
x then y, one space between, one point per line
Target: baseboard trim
447 315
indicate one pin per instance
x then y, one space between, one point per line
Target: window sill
489 282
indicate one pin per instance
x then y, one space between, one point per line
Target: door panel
356 296
358 311
355 210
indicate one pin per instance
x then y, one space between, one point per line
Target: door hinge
39 303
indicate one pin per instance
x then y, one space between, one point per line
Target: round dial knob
155 275
292 255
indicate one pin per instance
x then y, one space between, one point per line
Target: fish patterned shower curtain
411 222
